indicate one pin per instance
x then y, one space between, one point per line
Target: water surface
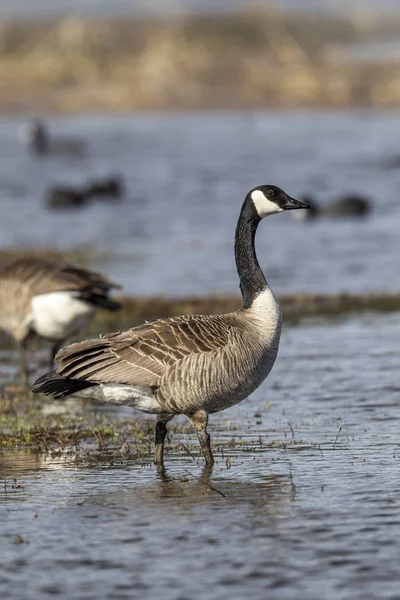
186 177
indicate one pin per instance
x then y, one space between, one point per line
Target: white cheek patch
263 206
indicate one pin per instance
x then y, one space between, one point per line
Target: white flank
59 314
263 205
139 397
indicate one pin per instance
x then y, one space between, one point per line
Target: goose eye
271 192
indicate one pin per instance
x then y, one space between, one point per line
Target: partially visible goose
65 197
35 135
191 365
49 298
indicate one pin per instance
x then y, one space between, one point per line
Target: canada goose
348 206
51 299
36 136
191 365
106 187
62 197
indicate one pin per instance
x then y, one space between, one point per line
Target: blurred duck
50 299
349 206
36 136
107 187
65 197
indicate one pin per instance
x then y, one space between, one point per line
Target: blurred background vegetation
256 56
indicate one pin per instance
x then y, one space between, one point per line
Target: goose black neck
252 280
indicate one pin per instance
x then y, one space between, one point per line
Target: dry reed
241 61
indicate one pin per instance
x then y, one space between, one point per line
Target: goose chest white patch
263 205
266 315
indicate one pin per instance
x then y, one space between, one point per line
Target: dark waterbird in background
50 299
350 206
62 197
106 187
192 365
36 136
65 197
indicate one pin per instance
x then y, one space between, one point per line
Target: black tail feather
96 298
54 384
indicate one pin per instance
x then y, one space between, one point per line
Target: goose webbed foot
200 421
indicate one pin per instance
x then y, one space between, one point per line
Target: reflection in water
189 489
26 462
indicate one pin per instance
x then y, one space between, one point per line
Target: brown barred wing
142 355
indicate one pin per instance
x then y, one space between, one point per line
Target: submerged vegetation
84 435
79 432
244 60
68 430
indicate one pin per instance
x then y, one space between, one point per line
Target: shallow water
186 177
308 509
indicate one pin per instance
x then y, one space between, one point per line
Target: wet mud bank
295 308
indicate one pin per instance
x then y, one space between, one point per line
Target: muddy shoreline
294 307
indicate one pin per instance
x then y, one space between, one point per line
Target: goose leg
200 421
23 361
161 432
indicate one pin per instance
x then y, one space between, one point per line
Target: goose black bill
292 204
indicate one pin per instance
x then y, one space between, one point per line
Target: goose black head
270 199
